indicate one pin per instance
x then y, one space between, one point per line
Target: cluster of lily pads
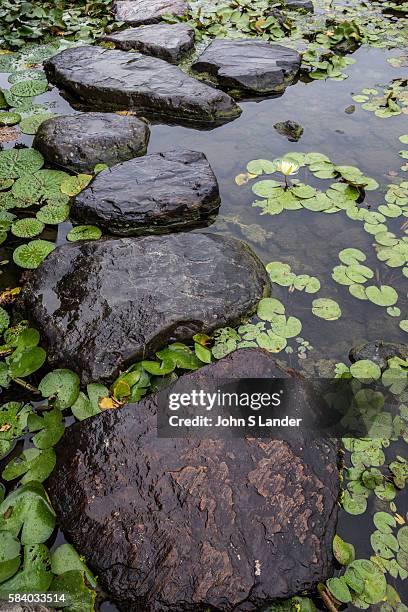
346 195
392 101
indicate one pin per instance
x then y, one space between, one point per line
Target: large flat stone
110 79
183 525
138 12
168 41
158 193
302 5
249 66
79 142
102 305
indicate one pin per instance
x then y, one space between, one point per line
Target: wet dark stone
379 352
248 65
79 142
304 5
103 305
139 12
110 79
292 130
158 193
183 525
168 41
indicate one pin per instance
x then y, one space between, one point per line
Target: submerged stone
110 79
181 524
303 5
168 41
102 305
248 65
138 12
292 130
158 193
379 351
79 142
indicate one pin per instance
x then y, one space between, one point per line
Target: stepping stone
303 5
249 66
109 79
101 305
158 193
139 12
194 524
292 130
379 351
168 41
79 142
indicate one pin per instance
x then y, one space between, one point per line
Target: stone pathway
157 193
182 524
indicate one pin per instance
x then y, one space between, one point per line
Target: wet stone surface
79 142
110 79
138 12
304 5
158 193
379 351
290 129
103 305
248 65
168 41
185 525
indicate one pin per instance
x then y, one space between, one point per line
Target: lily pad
27 511
382 296
62 385
32 254
326 308
84 232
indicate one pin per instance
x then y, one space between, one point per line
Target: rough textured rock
304 5
102 305
110 79
292 130
249 65
379 352
79 142
139 12
168 41
158 193
183 525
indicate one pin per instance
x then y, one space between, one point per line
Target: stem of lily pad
26 385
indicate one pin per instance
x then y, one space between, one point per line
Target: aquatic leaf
34 575
365 370
374 581
393 311
25 362
384 522
30 125
268 308
4 319
203 353
382 296
261 166
266 188
79 597
50 427
286 328
31 88
9 555
385 491
53 214
32 464
75 184
66 559
303 191
358 291
326 308
402 537
356 504
343 551
27 510
9 118
352 256
384 544
27 228
271 342
62 386
404 325
84 232
354 580
18 162
339 589
32 254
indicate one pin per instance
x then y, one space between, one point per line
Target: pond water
309 241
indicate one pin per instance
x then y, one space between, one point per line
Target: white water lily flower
287 168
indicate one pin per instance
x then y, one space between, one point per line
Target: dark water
309 241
